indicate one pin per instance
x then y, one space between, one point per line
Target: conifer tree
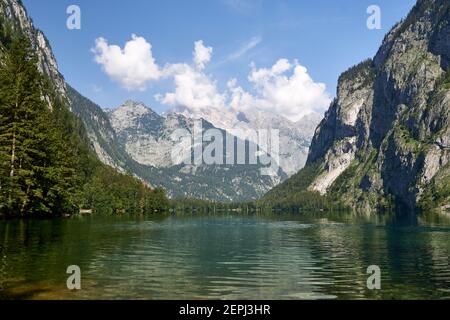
36 170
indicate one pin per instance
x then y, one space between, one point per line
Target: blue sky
326 37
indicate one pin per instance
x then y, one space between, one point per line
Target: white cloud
286 89
133 66
193 89
202 55
252 43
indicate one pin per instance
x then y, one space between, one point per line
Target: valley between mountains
383 143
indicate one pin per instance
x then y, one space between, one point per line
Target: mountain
48 165
295 137
115 144
101 134
133 138
385 140
146 138
143 148
145 134
15 13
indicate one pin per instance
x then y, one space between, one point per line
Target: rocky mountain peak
294 138
135 107
133 115
381 141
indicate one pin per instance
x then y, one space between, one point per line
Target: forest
47 167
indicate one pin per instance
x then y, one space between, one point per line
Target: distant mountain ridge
133 138
146 137
295 137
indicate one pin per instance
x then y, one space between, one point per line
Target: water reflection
263 256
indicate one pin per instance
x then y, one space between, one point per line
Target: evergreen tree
36 170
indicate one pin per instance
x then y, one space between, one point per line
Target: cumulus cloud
202 55
132 67
193 89
286 89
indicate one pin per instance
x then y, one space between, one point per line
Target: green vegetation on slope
437 193
112 192
446 80
46 166
361 70
97 125
294 194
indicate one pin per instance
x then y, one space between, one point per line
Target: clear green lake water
229 256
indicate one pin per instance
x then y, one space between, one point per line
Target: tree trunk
25 202
13 154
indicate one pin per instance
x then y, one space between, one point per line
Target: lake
227 256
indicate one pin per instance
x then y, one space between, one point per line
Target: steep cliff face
102 137
143 134
386 137
15 13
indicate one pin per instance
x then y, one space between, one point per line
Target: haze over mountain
148 139
295 137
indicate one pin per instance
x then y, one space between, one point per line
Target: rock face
386 137
135 139
145 134
16 14
101 134
147 138
295 137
